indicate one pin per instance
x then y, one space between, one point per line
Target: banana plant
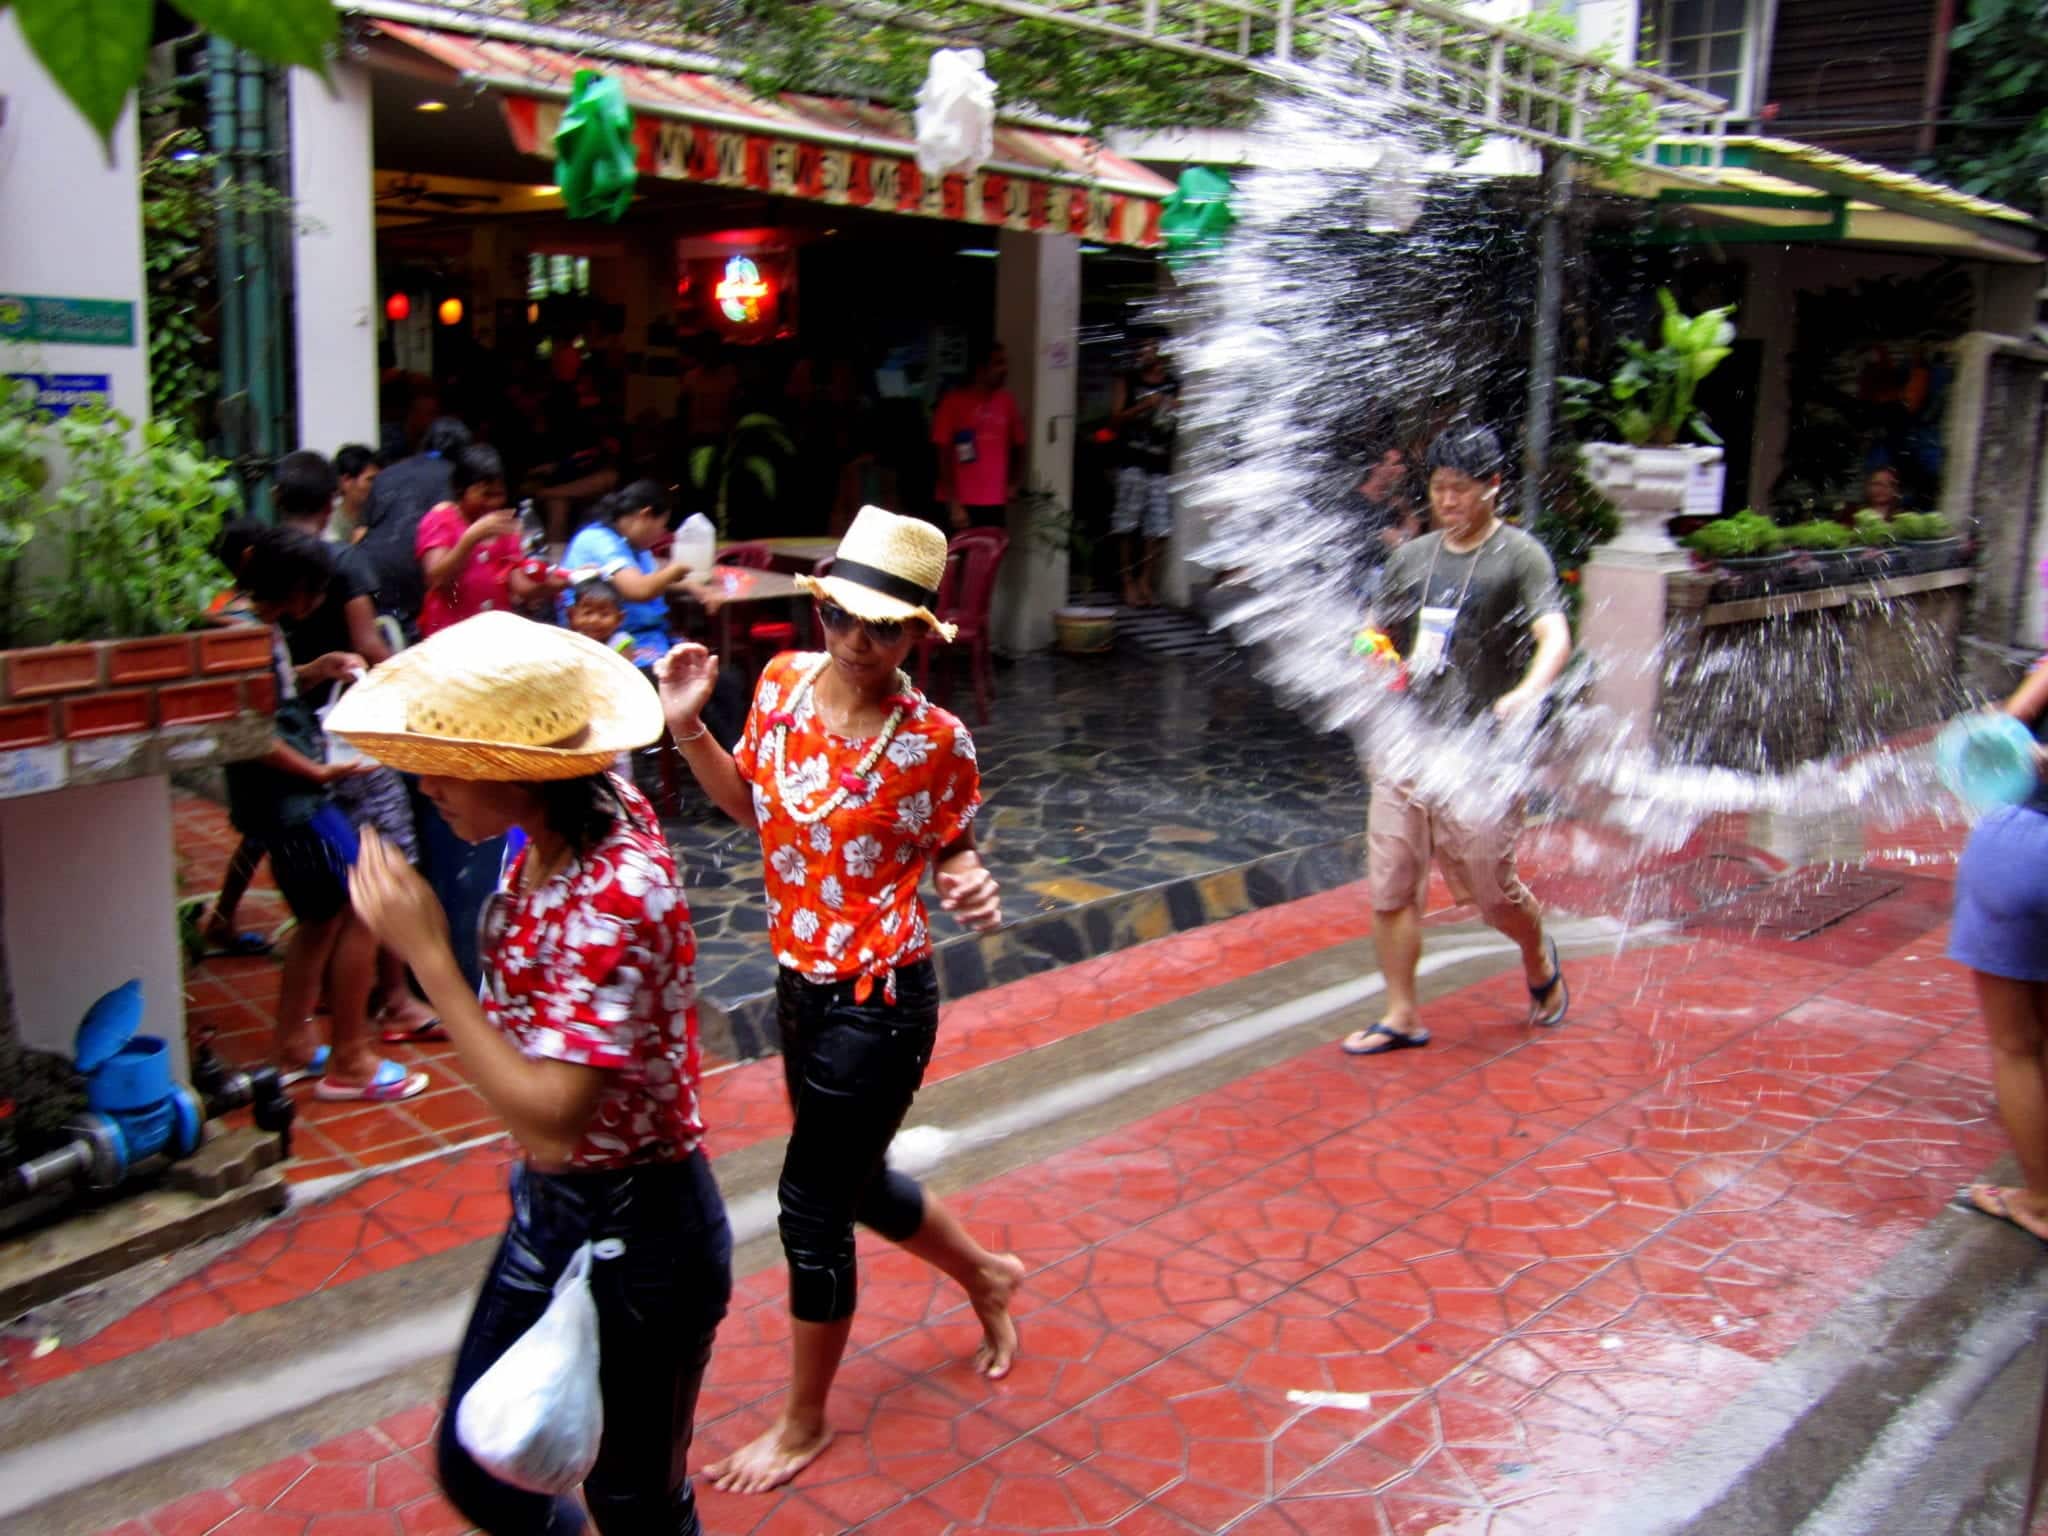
750 450
1650 398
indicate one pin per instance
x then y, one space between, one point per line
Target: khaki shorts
1402 834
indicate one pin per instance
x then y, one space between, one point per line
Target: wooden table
797 552
726 585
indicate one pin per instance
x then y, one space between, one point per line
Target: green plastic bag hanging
1197 215
596 160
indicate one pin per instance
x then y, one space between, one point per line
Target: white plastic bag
696 542
956 114
535 1417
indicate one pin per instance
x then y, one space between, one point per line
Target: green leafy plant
1819 537
750 449
1875 529
97 50
24 471
1922 527
1649 400
185 194
1056 529
1739 536
1996 145
135 517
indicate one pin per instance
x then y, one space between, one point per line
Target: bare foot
769 1461
2023 1210
991 1300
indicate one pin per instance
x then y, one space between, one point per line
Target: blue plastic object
109 1024
337 831
1987 760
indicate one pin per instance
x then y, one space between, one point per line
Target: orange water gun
1377 646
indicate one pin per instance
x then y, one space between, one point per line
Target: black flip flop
1555 984
1394 1040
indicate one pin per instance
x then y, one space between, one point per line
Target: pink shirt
977 433
480 584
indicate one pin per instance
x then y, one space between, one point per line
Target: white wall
1038 319
70 221
90 885
335 253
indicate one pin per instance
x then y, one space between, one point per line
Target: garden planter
1840 567
76 714
1649 487
1084 631
1932 554
1741 576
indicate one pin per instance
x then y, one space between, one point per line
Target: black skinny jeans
852 1070
658 1304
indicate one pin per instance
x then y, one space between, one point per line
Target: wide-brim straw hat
888 569
500 697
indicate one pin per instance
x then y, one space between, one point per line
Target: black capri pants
852 1070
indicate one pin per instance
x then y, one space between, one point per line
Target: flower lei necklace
852 779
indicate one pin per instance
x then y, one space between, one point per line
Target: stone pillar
334 252
89 872
1038 319
1623 620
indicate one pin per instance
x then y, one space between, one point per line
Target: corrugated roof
1902 183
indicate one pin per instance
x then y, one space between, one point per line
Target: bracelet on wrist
693 736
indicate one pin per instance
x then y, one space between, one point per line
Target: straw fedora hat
888 569
500 697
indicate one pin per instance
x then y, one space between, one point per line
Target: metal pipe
223 141
1557 181
69 1164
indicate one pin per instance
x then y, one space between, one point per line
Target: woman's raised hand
685 676
395 904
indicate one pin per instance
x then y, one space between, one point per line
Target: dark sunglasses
839 621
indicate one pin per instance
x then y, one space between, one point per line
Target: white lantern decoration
956 114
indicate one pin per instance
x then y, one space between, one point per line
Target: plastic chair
974 559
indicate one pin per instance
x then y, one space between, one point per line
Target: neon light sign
741 291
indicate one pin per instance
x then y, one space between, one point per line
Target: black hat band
902 588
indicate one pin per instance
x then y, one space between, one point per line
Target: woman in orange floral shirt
857 784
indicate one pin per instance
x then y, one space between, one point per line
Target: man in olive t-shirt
1474 609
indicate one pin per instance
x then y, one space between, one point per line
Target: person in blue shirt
618 545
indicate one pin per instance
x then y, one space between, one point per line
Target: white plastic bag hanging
956 114
534 1419
696 542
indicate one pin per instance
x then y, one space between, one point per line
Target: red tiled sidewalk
1548 1259
401 1213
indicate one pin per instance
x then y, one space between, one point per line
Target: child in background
619 546
596 613
285 802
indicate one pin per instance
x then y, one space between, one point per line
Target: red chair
973 561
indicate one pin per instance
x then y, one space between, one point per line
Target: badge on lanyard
963 446
1432 650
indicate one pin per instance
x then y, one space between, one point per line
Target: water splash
1328 318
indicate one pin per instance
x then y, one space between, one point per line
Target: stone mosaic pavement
1127 795
1544 1260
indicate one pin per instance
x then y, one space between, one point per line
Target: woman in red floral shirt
857 785
584 1039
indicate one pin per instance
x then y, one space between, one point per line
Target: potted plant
1078 629
1649 405
1832 549
1929 540
1747 547
106 576
754 447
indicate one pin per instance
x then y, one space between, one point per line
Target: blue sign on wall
57 393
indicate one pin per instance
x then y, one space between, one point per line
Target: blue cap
1987 760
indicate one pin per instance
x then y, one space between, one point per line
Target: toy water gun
1377 646
537 569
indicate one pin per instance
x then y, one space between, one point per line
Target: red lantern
397 307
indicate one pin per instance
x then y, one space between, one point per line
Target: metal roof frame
1444 63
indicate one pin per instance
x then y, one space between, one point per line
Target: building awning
712 131
1783 190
